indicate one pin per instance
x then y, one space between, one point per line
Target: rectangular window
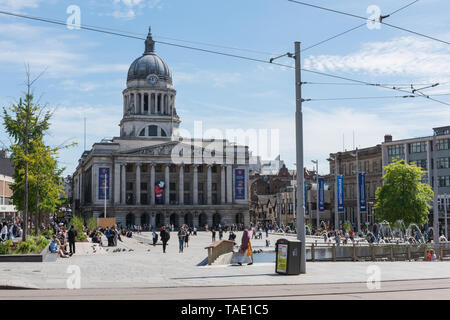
187 186
200 169
144 168
143 186
375 166
200 187
144 198
158 168
443 144
172 186
417 147
421 163
396 150
214 169
214 186
444 181
186 169
352 169
172 169
443 163
129 168
366 166
129 185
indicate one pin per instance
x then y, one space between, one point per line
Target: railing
374 252
218 248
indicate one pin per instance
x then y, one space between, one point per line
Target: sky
85 72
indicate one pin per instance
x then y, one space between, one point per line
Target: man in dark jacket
165 236
72 235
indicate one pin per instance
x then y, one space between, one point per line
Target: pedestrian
72 235
213 232
4 232
155 237
186 240
181 235
165 236
220 234
245 248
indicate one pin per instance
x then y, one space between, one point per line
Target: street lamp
358 213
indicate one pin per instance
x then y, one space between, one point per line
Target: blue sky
86 71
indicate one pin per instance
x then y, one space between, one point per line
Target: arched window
152 131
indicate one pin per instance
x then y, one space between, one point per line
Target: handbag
249 253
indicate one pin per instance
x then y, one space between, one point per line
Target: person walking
165 236
213 233
186 240
155 238
220 234
71 237
245 248
181 236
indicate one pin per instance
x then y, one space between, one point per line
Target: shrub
47 233
78 224
24 247
91 224
4 248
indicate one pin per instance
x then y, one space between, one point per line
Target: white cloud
127 9
15 5
405 56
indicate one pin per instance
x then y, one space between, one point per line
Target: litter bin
288 256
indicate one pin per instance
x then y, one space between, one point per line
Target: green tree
403 196
28 121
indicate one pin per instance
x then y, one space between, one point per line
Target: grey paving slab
147 266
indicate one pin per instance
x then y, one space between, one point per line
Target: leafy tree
403 196
28 121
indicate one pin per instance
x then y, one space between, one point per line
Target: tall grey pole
317 196
336 205
436 191
358 213
299 158
445 212
104 194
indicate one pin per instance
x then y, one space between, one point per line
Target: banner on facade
159 192
305 200
321 194
362 191
103 183
239 184
340 193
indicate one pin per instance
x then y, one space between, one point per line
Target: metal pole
317 194
336 209
436 191
104 193
358 213
299 158
445 212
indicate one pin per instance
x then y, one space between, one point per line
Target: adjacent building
151 175
7 209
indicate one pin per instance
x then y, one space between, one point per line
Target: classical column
124 183
229 184
222 184
405 147
195 185
135 103
152 183
138 183
167 187
208 185
117 183
181 185
142 102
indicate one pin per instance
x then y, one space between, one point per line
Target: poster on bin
340 192
282 258
321 194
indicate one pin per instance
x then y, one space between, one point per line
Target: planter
34 257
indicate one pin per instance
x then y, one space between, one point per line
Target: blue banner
340 193
362 191
321 194
103 183
239 184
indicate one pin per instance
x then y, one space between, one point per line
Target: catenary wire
365 18
354 28
218 53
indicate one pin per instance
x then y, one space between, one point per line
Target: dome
149 64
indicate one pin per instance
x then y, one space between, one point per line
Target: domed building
151 176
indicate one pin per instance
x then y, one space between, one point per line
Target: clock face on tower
153 80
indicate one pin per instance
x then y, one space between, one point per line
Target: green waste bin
288 256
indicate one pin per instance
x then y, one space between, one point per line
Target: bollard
392 252
334 252
313 252
441 253
409 252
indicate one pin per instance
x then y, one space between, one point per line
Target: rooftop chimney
387 138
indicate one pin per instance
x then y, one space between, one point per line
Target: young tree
403 196
27 122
